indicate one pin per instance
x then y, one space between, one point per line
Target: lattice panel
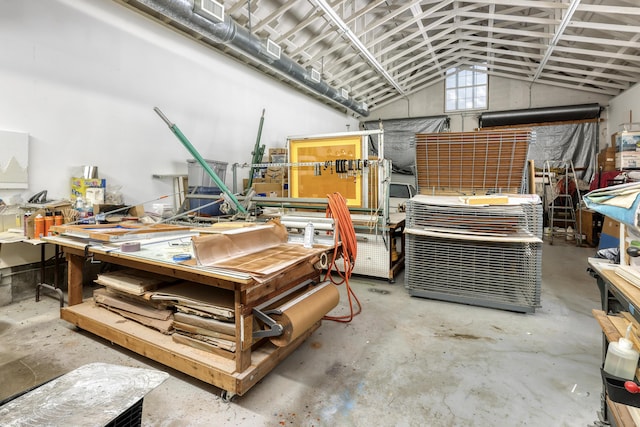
497 275
472 162
524 219
475 254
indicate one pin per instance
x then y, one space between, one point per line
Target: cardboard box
610 235
627 141
607 159
277 155
50 207
275 173
628 160
30 224
79 188
268 189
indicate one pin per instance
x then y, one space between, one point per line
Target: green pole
183 139
257 153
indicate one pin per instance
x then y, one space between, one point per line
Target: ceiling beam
355 41
605 27
414 21
600 41
610 10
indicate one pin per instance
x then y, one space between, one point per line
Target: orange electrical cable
348 251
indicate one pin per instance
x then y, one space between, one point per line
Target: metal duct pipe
540 115
230 33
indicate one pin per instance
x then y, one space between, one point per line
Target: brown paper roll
302 312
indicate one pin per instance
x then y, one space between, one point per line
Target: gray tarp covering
399 138
575 142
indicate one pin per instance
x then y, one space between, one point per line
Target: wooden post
74 268
532 177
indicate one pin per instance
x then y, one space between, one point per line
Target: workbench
617 296
234 374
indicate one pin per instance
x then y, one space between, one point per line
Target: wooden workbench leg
243 356
75 264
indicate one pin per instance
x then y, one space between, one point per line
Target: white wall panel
82 79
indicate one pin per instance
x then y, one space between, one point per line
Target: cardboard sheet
161 320
214 301
191 330
227 328
104 297
204 343
259 251
135 282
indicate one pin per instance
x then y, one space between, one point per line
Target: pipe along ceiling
229 33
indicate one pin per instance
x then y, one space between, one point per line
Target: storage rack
489 256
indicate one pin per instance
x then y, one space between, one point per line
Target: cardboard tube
299 314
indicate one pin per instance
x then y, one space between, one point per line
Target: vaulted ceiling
382 50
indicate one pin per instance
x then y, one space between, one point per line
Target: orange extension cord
337 209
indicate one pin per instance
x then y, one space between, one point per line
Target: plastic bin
198 177
194 202
616 391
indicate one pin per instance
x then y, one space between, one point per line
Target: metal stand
56 277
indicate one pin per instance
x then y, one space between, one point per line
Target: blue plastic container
213 210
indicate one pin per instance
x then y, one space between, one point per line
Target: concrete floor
403 362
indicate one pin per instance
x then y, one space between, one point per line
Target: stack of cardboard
275 179
126 292
204 316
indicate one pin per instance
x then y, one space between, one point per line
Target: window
466 88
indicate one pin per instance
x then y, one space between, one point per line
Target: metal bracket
89 256
275 329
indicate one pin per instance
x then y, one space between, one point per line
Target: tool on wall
196 155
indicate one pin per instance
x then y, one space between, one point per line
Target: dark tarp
399 138
557 143
562 143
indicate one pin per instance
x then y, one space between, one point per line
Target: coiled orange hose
348 251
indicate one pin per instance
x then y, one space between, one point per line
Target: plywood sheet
119 232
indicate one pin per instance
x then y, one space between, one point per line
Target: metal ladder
561 209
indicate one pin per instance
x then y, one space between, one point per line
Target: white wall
82 78
624 108
504 94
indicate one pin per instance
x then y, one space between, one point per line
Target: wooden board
631 291
620 413
606 325
118 232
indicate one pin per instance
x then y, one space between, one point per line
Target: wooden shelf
205 366
613 328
